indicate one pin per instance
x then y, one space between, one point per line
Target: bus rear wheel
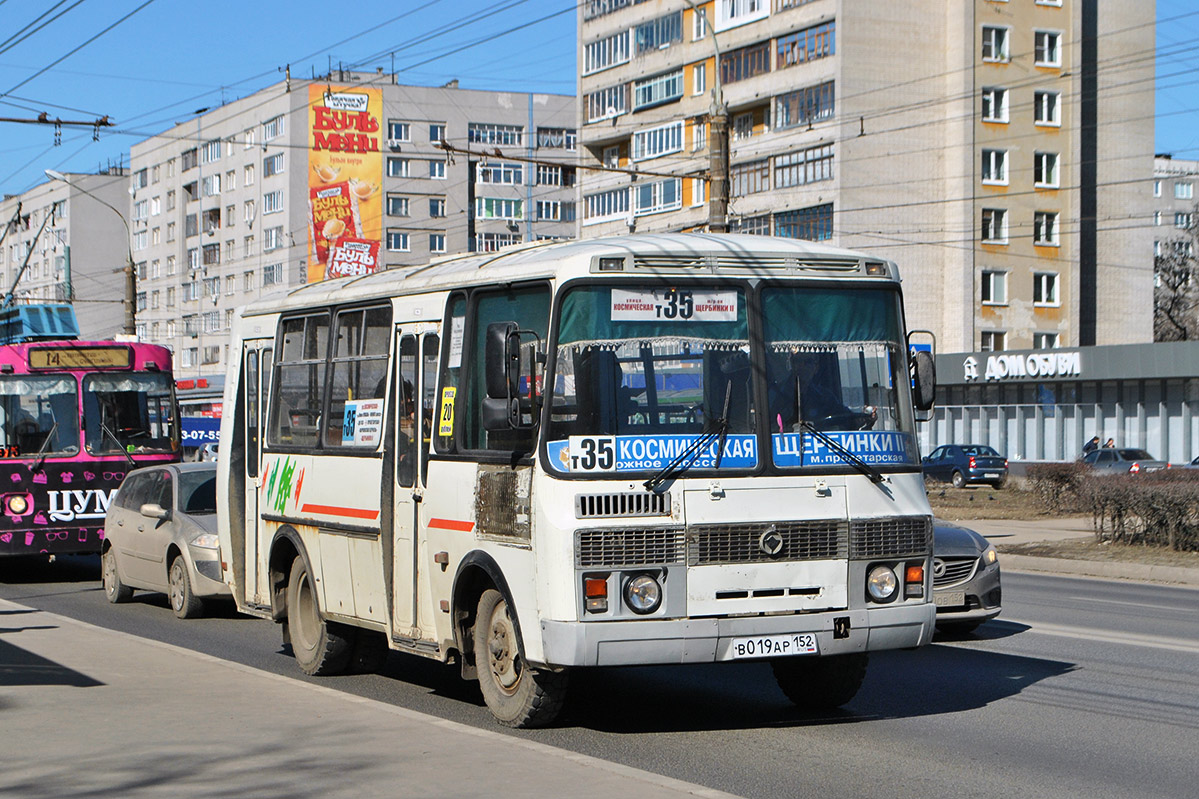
517 694
321 647
821 683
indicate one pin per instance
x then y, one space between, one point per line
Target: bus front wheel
320 647
517 694
820 683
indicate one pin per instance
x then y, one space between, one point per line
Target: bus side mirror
924 380
501 351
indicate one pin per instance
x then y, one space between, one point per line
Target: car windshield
641 373
197 491
979 449
1135 455
39 414
129 412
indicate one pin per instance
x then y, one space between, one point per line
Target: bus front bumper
710 640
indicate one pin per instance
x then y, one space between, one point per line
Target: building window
171 265
1157 188
1157 218
247 246
188 159
1044 170
272 128
211 255
607 52
994 104
750 178
1044 229
607 103
1182 221
804 106
397 206
437 132
484 133
272 202
436 206
994 287
803 166
656 197
699 134
1044 288
397 167
247 177
209 153
171 200
743 126
141 210
994 226
549 211
1044 341
994 168
605 205
813 224
995 43
272 165
231 180
500 173
397 241
436 242
753 225
731 13
699 26
272 275
437 170
399 131
699 191
658 141
139 240
1046 107
560 138
1184 191
499 208
211 185
992 341
806 45
658 89
699 78
658 33
745 63
1047 49
611 157
248 211
549 175
272 238
490 242
247 138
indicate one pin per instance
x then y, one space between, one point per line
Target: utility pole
718 142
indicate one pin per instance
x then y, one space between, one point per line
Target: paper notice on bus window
457 329
667 305
445 419
362 423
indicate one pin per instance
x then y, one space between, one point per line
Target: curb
1114 570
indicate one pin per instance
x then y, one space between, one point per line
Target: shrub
1057 485
1158 510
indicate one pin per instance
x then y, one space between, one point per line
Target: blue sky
171 57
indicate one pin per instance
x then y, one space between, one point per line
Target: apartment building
346 174
65 241
999 151
1174 210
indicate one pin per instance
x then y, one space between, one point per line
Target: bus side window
428 399
406 440
359 368
250 387
298 390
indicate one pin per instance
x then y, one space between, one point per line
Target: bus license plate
949 599
768 646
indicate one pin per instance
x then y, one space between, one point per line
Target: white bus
652 449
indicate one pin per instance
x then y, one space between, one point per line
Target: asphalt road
1082 688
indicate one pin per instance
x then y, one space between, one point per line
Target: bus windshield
38 414
641 372
128 412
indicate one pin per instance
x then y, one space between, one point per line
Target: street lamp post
130 275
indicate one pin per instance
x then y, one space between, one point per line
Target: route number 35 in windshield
668 305
592 454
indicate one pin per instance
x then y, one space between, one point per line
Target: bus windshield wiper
41 453
719 430
875 475
104 428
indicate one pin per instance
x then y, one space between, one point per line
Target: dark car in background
964 464
966 586
1123 460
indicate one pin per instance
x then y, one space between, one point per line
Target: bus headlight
643 594
881 583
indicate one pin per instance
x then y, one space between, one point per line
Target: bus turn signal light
595 591
913 580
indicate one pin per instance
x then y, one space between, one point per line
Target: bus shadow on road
21 667
33 569
935 680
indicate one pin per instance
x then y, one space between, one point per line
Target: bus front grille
767 542
881 538
626 503
618 547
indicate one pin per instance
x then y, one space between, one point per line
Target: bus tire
184 602
821 683
517 695
114 589
320 647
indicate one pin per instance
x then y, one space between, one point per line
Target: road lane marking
1110 636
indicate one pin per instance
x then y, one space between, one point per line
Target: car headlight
882 583
990 556
643 594
206 541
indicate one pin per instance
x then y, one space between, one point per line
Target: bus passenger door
256 362
413 406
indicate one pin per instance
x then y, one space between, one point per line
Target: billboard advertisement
345 172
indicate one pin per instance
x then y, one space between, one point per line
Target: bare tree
1176 286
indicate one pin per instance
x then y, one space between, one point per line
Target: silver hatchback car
160 535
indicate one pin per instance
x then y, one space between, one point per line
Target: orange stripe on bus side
333 510
452 524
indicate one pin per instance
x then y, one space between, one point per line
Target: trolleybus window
128 412
39 414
